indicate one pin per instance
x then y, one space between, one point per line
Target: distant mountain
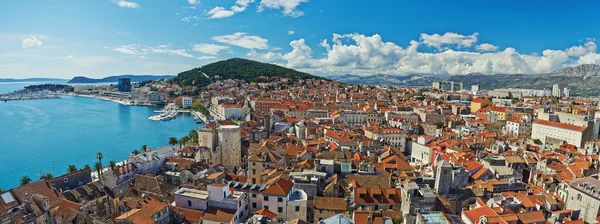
134 78
32 80
237 68
583 80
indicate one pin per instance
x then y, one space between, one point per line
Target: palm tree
99 156
25 180
183 141
135 152
71 168
48 176
112 164
98 168
87 166
144 147
2 190
173 141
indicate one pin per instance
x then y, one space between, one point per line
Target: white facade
555 90
218 196
186 102
232 111
519 128
292 206
544 132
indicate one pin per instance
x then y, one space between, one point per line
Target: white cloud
206 57
291 32
243 40
68 57
126 4
193 2
449 38
264 57
485 47
31 42
190 18
360 54
578 51
288 7
219 12
134 49
211 49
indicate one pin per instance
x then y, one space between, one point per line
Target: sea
46 136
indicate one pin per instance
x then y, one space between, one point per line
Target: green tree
173 141
537 141
135 152
25 180
98 168
2 190
112 164
87 166
99 156
48 176
144 148
71 168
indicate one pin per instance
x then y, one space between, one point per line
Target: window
297 208
280 209
390 196
253 204
280 199
189 203
253 195
391 207
376 207
266 207
266 198
253 180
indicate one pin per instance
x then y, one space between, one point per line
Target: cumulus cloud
126 4
31 42
219 12
211 49
360 54
291 32
485 47
265 57
244 40
449 38
578 51
288 7
193 2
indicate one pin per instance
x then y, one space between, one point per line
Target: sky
99 38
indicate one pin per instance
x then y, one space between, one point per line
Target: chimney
370 219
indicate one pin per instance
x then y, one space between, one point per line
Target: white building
232 111
420 152
566 92
151 161
519 127
186 102
232 206
555 90
555 128
285 201
584 195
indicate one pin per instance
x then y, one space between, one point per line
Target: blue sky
100 38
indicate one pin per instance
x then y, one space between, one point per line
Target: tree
87 166
99 156
144 147
135 152
48 176
2 190
183 141
537 141
193 134
112 164
25 180
98 168
173 141
71 168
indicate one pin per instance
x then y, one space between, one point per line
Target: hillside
134 78
583 80
236 68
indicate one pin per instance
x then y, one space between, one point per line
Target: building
556 91
72 180
221 204
479 103
415 199
519 126
232 111
584 195
474 88
325 207
124 85
230 145
553 129
144 210
284 200
566 92
186 102
449 177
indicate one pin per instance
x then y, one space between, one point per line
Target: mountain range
582 80
134 78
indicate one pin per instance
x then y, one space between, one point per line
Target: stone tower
443 177
230 146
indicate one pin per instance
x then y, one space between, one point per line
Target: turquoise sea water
48 135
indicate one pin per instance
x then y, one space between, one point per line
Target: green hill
237 68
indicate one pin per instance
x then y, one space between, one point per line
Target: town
320 151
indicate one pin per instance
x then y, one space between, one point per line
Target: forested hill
237 68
